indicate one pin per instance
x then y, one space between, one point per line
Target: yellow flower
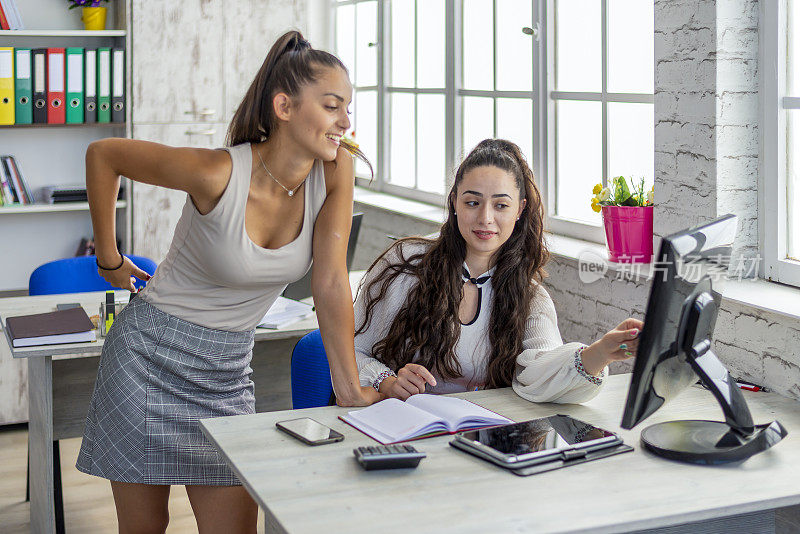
596 205
597 189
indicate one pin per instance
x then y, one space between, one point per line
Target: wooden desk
60 383
322 489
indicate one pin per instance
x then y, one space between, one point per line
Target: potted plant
627 218
93 16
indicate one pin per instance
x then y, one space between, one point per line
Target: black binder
39 62
90 86
117 85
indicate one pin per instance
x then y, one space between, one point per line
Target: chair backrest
311 375
77 275
302 288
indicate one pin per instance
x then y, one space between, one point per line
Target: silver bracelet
596 380
381 377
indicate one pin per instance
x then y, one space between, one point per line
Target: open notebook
421 416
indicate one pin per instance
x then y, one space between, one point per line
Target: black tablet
535 441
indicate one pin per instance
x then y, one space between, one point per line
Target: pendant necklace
290 192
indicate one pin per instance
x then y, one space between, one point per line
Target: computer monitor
675 350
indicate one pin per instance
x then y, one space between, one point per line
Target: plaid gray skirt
158 376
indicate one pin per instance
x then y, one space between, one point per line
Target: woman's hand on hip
123 276
410 380
620 343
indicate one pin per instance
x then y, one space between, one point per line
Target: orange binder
56 62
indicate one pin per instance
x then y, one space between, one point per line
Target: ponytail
290 65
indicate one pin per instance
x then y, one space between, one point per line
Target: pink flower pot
629 233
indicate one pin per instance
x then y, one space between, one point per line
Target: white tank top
213 274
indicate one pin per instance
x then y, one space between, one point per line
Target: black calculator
388 457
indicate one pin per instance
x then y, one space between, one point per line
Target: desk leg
40 437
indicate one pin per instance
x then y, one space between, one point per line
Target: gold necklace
290 192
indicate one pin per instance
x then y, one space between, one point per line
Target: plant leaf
621 191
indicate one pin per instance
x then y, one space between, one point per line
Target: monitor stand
711 442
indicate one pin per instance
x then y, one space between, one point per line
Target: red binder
3 20
56 62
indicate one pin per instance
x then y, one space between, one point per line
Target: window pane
366 129
793 184
367 33
630 46
579 158
578 45
477 41
478 121
793 48
631 144
402 58
345 37
430 43
401 139
515 123
430 143
514 48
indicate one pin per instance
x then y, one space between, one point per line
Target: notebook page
394 420
457 413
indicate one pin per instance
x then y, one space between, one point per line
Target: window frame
543 97
548 131
772 209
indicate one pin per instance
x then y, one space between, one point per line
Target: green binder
75 92
103 85
23 107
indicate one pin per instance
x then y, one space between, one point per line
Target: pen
748 387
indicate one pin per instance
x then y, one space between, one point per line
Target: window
434 77
780 195
599 110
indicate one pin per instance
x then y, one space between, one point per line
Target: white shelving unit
52 208
55 154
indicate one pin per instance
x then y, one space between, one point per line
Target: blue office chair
71 275
77 275
311 375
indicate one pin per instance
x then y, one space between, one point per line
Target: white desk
60 382
322 489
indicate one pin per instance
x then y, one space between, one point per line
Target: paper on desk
285 312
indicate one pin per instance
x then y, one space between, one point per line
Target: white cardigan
545 372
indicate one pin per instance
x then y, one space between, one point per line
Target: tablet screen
555 432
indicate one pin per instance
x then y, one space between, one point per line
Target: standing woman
255 215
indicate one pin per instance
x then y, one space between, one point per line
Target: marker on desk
111 310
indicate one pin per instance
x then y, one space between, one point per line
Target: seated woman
467 310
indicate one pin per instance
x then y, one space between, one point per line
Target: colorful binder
118 85
90 86
23 192
103 85
39 85
23 109
74 101
55 86
6 85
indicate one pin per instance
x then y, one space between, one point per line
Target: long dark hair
290 65
427 323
